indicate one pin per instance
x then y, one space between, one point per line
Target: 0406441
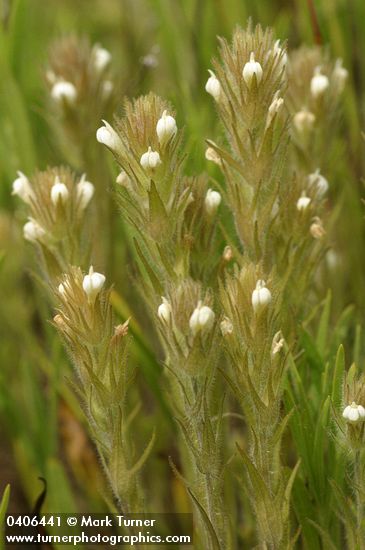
32 521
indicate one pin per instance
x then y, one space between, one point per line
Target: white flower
303 202
150 160
32 231
261 296
101 58
85 191
339 76
276 106
22 188
226 327
164 310
202 319
108 136
354 413
316 179
213 86
212 201
64 91
250 69
304 121
166 128
92 284
319 83
59 192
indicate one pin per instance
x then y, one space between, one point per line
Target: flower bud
303 202
252 68
212 155
316 229
150 60
281 54
85 192
51 77
22 188
277 343
101 58
62 288
191 199
64 91
164 310
354 413
213 86
121 330
59 192
227 253
122 179
333 259
166 128
226 327
92 284
319 83
32 231
304 121
150 160
339 76
261 296
106 135
202 319
212 201
59 321
319 182
276 106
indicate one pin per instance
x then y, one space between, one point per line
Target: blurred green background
160 45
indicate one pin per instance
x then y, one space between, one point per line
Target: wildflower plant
56 203
155 197
104 377
316 84
81 89
225 269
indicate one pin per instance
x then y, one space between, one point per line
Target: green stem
359 497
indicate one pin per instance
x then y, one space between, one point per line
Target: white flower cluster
201 320
64 91
166 129
252 71
92 284
319 85
316 182
59 196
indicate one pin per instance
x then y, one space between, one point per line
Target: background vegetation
165 46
